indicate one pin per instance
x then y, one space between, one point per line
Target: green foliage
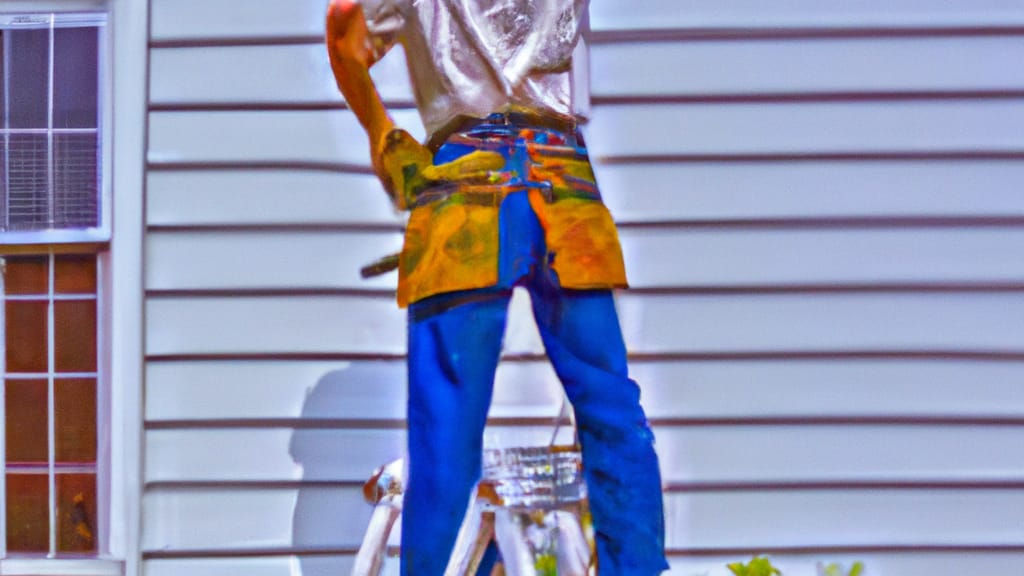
834 569
756 567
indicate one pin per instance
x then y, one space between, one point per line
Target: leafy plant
834 569
756 567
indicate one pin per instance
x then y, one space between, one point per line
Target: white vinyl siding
820 213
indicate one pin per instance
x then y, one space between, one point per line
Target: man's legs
454 346
581 334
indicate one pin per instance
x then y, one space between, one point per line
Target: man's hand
347 34
406 167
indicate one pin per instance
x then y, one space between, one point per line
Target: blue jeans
454 346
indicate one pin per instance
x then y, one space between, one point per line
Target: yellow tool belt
451 239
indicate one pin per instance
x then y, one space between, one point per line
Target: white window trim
77 236
123 347
128 30
52 567
102 232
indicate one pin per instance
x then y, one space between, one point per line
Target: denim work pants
454 344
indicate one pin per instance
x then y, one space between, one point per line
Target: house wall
820 212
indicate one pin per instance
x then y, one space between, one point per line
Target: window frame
102 563
99 16
124 80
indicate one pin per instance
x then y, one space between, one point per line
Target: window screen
50 154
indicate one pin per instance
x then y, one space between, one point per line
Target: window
51 153
54 223
50 405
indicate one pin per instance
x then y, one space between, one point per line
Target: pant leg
581 334
453 354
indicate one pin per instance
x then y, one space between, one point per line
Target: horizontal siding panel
891 564
195 391
346 324
176 19
686 192
361 325
224 390
651 324
839 453
274 324
286 454
637 193
823 388
766 67
754 191
265 197
824 323
278 454
308 565
274 389
265 518
210 260
253 74
291 136
261 74
253 518
719 129
807 128
336 137
846 517
236 260
758 257
622 14
715 454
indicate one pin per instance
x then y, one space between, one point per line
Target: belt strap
525 119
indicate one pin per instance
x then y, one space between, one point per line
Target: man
502 195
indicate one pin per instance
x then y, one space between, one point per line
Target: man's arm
352 52
403 165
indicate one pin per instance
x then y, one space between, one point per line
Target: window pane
76 180
26 425
28 86
26 336
28 182
75 336
76 513
75 420
75 74
76 274
28 511
26 275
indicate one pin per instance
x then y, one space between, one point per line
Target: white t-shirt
478 57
